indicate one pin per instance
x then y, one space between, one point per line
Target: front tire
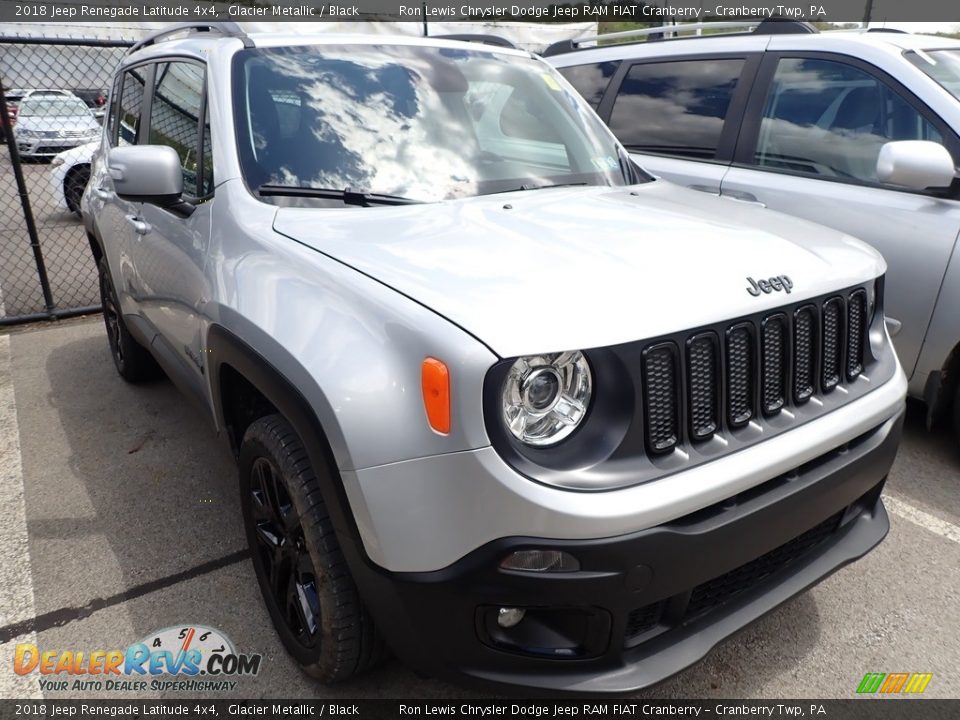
133 361
303 576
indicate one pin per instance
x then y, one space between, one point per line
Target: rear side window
131 103
675 108
175 116
592 80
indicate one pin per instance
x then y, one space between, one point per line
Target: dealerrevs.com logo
189 658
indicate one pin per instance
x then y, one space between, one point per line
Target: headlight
545 397
57 162
27 134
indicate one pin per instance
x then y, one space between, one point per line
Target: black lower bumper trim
642 607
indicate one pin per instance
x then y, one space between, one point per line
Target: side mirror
149 173
915 164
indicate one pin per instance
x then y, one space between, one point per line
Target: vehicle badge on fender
774 284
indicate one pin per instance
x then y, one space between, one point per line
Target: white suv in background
858 130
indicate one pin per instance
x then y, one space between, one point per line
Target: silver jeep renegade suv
500 401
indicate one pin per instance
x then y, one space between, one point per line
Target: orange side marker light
435 382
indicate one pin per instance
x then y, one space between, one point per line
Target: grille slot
774 364
740 375
856 319
804 354
703 392
643 619
832 344
661 391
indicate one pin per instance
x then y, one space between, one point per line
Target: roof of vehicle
891 40
24 92
199 42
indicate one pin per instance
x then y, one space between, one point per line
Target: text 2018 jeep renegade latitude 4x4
500 401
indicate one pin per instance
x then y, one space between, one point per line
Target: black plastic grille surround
783 357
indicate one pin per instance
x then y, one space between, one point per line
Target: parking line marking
922 518
16 578
64 615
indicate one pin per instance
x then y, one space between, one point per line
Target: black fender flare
225 348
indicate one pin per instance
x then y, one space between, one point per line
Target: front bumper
49 147
646 605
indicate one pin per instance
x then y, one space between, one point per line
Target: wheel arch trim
224 348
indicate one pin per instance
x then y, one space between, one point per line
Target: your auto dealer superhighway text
606 709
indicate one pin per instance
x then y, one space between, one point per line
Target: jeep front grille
692 385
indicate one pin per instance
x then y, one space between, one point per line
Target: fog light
508 617
541 561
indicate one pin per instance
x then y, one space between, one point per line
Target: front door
169 251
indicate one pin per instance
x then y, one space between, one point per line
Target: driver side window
830 119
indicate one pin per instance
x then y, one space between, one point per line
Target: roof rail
770 26
478 38
227 29
783 26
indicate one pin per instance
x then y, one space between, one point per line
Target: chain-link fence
54 99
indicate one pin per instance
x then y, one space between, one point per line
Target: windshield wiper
348 196
541 187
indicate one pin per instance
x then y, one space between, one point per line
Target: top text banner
655 11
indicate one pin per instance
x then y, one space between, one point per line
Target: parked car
14 96
498 398
48 124
859 130
95 98
69 173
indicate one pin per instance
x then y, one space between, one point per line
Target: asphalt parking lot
66 253
121 517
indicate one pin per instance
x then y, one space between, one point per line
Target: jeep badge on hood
776 283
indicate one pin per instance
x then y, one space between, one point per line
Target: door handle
102 192
712 189
743 197
140 226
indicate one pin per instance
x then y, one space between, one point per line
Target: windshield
421 123
942 65
52 106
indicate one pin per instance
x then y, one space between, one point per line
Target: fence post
25 202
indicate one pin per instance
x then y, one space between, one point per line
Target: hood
69 123
576 268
